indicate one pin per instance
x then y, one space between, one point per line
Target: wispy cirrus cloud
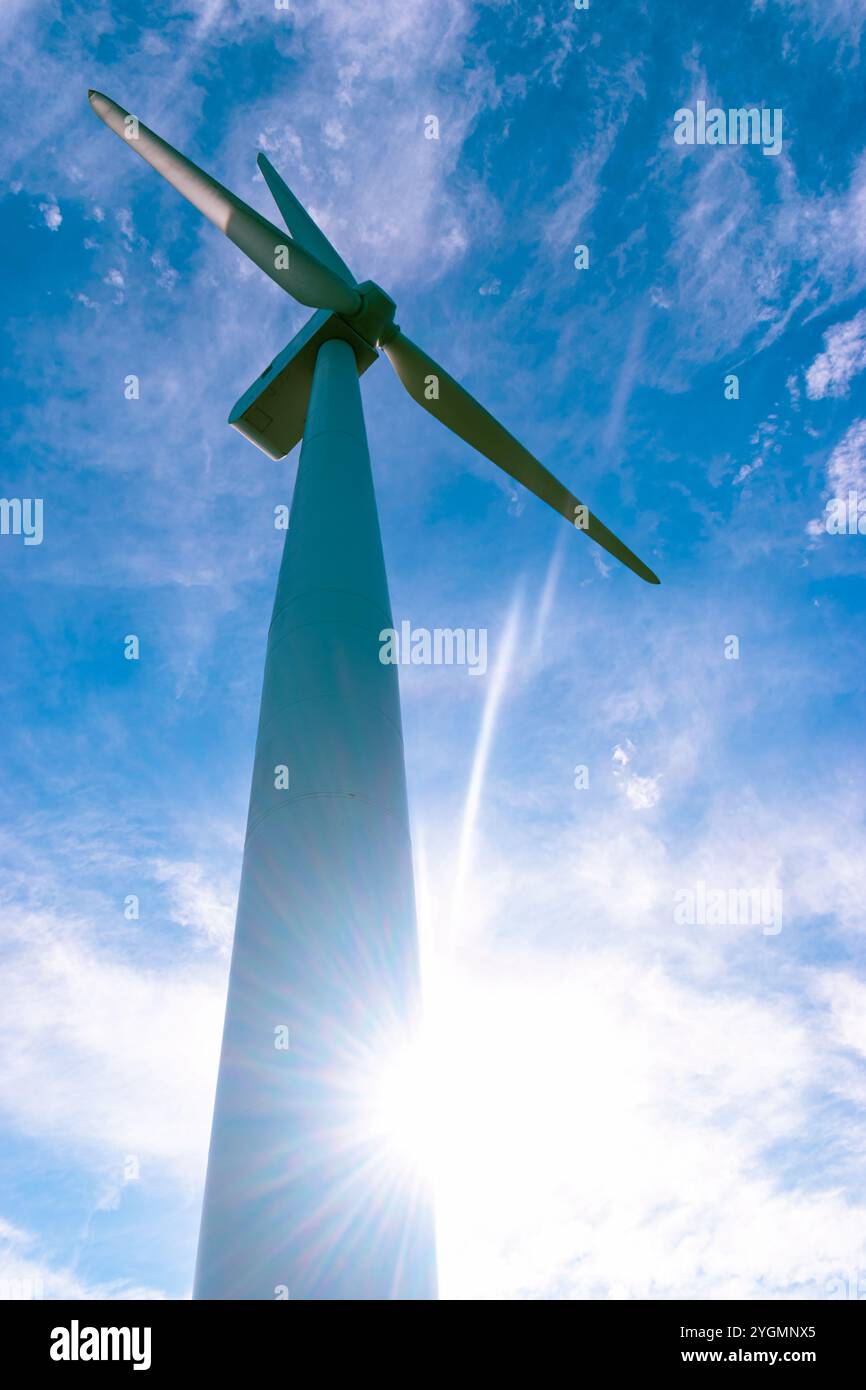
842 20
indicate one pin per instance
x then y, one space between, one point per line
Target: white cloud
166 276
607 1132
27 1272
379 188
52 215
622 1104
846 997
643 792
124 221
846 467
740 264
333 134
845 473
199 902
844 356
569 207
765 442
103 1056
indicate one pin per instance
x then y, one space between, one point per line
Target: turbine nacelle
312 271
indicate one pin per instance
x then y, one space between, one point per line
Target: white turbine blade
454 406
300 223
287 262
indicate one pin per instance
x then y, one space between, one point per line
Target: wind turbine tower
305 1198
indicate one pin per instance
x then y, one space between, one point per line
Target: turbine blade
287 263
300 223
463 414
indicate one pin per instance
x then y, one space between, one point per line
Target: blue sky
625 1106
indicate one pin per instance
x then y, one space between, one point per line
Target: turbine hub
374 321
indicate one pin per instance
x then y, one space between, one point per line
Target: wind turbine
304 1197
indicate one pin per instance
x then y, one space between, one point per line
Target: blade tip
100 104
